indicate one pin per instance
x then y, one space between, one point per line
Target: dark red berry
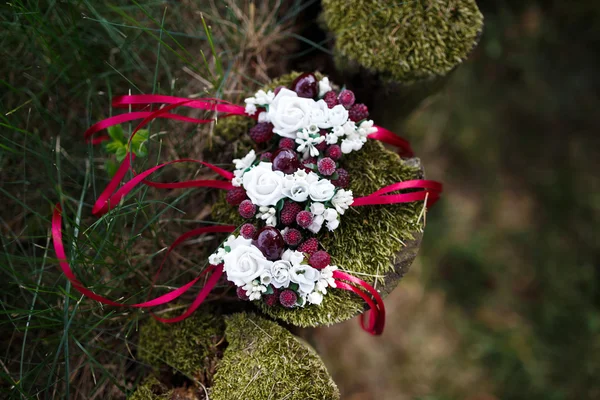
235 196
287 143
270 242
306 85
304 219
346 98
334 152
248 231
286 161
358 112
319 259
326 166
241 293
261 132
321 146
309 246
343 178
266 157
292 237
331 99
288 298
247 209
272 299
289 212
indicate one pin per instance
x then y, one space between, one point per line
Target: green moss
265 361
151 389
229 138
189 347
369 239
404 41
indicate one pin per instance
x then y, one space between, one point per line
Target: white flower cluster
302 119
246 266
266 188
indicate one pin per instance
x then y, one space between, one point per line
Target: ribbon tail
389 137
376 321
59 248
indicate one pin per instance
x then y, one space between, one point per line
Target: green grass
62 62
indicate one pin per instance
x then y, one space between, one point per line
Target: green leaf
121 153
116 133
227 248
294 286
335 176
279 205
269 290
311 166
113 147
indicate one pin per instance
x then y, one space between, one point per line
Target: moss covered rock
253 359
403 41
191 347
265 361
375 243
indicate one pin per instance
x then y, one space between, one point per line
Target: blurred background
503 301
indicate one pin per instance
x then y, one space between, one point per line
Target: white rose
338 115
330 214
244 263
319 114
263 185
280 272
289 113
293 256
315 298
333 224
324 86
316 224
296 189
245 162
322 190
312 177
305 276
342 200
317 208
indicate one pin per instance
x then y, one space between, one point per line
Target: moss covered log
253 359
377 244
403 41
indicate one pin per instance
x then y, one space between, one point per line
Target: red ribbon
215 271
376 321
430 192
389 137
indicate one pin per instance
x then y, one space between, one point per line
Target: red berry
326 166
309 246
334 152
286 161
343 178
289 212
292 237
287 143
319 259
304 219
306 86
266 157
358 112
270 242
248 231
288 298
346 98
321 146
235 196
262 132
241 293
247 209
272 299
331 99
